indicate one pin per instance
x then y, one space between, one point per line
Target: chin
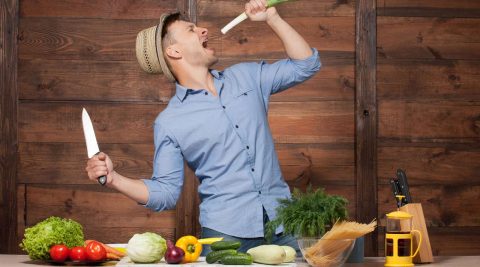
212 61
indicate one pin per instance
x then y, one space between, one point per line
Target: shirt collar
182 91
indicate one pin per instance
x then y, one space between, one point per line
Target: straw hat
149 49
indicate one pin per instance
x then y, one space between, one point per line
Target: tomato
95 251
59 253
78 254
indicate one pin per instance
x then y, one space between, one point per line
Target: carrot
112 256
108 248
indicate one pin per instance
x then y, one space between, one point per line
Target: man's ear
173 52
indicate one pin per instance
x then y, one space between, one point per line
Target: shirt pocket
244 92
249 109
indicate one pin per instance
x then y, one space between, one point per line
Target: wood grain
104 215
441 164
91 80
21 218
107 39
366 117
291 122
428 79
428 38
448 205
80 39
124 81
61 122
187 209
317 122
64 163
302 164
429 120
251 40
8 124
111 9
429 8
214 9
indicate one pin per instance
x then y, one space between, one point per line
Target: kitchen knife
91 141
402 181
396 191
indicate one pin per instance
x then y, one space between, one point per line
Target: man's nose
203 31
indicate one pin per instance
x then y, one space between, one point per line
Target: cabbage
52 231
146 248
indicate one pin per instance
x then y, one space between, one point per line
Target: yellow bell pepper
191 246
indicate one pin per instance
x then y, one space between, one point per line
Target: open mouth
205 43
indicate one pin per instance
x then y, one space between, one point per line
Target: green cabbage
52 231
146 248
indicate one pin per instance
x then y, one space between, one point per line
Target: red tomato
59 253
78 254
95 251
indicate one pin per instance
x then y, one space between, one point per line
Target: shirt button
223 107
259 192
236 126
245 94
253 169
248 147
206 93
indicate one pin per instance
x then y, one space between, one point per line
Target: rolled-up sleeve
286 73
165 186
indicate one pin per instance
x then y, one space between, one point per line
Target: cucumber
215 256
222 245
238 259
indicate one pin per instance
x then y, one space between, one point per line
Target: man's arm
102 165
161 192
295 46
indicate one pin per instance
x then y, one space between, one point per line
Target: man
217 122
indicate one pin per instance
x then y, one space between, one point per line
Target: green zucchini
215 256
238 259
222 245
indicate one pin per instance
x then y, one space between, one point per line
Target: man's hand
257 10
99 165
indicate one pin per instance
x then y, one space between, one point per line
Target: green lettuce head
52 231
146 248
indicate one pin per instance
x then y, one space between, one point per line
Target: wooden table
452 261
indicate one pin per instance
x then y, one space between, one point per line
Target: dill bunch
307 214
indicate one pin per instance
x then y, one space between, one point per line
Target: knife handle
405 189
102 180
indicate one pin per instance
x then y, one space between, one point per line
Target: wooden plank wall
75 54
429 114
8 123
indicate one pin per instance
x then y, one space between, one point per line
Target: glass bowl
325 252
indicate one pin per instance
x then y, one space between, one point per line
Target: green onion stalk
244 16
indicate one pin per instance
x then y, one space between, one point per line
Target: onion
174 254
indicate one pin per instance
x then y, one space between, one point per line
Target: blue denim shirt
227 141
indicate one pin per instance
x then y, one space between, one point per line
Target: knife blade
402 181
91 141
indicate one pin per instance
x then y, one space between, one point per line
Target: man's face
191 41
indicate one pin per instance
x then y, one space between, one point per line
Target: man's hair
167 37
